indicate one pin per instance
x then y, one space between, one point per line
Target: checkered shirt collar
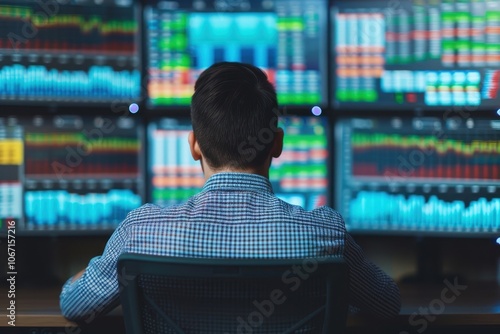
238 182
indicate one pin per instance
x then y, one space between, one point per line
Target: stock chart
79 51
174 174
284 38
69 173
416 54
419 175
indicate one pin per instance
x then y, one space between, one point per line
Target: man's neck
208 171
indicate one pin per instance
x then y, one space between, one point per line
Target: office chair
161 295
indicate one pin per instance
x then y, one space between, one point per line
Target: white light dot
316 111
133 108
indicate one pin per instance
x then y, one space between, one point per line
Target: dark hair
234 115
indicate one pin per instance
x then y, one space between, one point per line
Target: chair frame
333 270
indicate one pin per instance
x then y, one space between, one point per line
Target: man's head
234 112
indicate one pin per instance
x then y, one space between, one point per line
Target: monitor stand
430 264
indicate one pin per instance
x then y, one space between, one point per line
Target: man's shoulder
145 213
329 213
153 213
323 216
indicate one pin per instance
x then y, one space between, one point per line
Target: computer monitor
69 52
70 173
419 176
286 38
299 176
415 55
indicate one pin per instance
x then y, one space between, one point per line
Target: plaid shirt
235 215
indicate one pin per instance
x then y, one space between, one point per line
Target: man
236 215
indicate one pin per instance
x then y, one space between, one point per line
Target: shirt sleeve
371 290
96 291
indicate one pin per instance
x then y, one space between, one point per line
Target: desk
436 309
475 305
38 312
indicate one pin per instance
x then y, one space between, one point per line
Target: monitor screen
285 38
69 173
174 175
79 51
422 175
415 55
299 176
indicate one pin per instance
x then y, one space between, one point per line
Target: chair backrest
161 295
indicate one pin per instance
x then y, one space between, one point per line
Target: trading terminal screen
69 173
80 51
421 175
416 54
285 38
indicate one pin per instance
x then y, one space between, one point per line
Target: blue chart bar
98 83
11 200
241 37
59 209
307 201
176 176
171 153
296 199
416 214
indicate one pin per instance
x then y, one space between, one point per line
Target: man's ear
278 143
194 147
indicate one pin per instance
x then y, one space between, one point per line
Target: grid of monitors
285 38
69 173
413 54
422 175
299 176
69 52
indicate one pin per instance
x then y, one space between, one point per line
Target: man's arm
94 290
371 290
